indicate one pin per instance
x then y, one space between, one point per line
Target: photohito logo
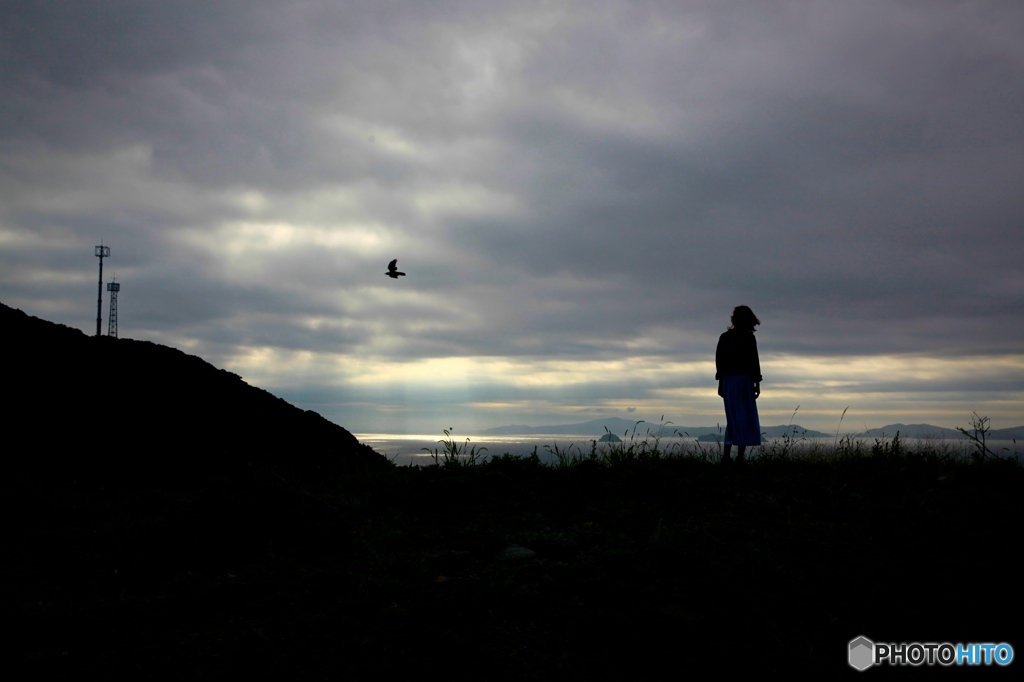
863 653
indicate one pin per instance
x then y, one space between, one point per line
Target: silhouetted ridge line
106 406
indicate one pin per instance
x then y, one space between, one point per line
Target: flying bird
393 272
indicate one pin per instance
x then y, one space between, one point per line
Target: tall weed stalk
454 454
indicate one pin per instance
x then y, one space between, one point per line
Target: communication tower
101 253
113 288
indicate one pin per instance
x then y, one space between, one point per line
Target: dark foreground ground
642 570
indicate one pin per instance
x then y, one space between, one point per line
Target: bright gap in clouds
478 393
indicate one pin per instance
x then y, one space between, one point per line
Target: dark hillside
84 404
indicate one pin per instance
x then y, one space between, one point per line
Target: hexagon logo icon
862 653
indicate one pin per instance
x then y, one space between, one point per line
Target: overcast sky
580 193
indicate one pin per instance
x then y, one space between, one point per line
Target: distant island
627 427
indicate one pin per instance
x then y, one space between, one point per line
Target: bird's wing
391 265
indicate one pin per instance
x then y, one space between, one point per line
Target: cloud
568 185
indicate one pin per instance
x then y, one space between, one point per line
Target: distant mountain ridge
620 427
928 431
627 427
90 406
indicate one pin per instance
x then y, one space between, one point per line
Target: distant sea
408 449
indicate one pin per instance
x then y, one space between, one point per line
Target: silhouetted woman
739 382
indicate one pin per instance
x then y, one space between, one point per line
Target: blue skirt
741 424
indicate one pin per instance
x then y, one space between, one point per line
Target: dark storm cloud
586 181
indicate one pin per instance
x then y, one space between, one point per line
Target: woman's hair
743 318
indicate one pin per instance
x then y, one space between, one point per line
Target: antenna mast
101 253
113 288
